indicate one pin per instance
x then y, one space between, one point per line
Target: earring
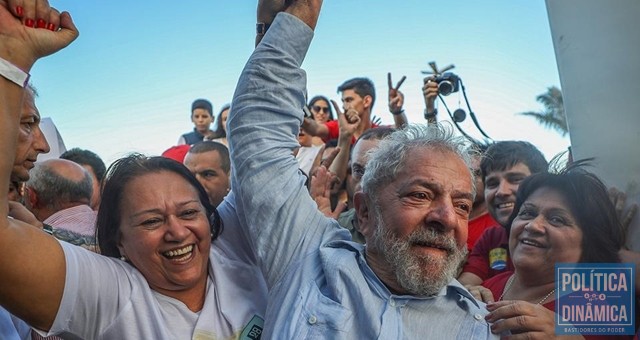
123 258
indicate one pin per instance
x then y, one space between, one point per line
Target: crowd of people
291 219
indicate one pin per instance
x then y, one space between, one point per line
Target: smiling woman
557 218
162 230
159 276
155 229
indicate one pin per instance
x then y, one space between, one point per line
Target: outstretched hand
396 98
30 30
320 190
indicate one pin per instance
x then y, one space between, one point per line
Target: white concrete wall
597 46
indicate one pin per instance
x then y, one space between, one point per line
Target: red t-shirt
490 255
477 226
334 130
496 284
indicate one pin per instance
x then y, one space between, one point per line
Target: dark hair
362 86
220 132
380 132
590 205
317 98
202 104
478 147
119 175
207 146
86 157
503 155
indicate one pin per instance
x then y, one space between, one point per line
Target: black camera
448 83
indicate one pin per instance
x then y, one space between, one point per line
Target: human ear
366 222
123 252
367 100
31 197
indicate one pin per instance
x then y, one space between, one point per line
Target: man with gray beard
413 209
409 267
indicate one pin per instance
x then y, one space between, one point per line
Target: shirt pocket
320 316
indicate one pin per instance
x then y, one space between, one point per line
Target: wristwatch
261 28
430 115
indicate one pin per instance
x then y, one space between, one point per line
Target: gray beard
419 275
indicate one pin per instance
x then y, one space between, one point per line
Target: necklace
510 282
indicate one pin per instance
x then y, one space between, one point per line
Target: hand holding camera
448 82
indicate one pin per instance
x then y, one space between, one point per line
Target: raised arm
267 10
396 102
312 128
32 264
340 164
430 94
272 202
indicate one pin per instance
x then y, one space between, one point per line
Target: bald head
57 184
65 169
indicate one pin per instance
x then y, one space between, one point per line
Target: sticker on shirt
253 330
498 258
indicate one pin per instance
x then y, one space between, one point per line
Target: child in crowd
202 117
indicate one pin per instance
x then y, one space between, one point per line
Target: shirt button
477 317
312 319
392 302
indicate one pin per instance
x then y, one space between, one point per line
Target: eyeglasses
317 108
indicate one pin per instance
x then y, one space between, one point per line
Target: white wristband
13 73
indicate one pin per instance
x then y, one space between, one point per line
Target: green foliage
553 115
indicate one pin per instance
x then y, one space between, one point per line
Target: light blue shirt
12 328
320 283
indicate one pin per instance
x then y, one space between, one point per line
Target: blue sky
127 83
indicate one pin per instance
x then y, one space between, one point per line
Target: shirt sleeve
334 130
96 288
234 242
272 203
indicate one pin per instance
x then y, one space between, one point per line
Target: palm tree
553 114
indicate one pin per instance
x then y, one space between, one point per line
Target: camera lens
445 87
459 115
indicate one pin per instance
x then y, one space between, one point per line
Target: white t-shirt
306 156
105 298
